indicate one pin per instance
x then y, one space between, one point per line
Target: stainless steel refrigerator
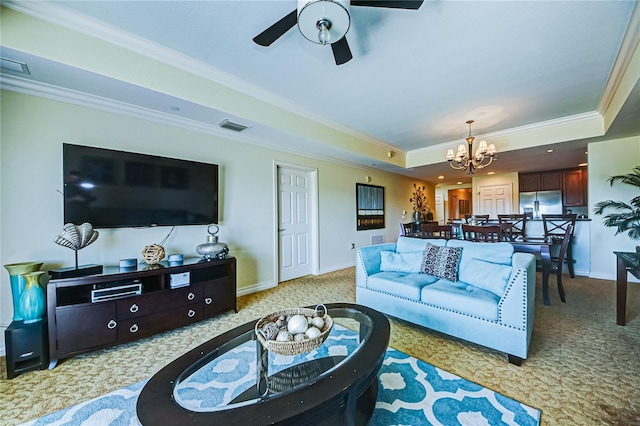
535 204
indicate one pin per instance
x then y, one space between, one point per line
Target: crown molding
514 131
94 28
56 93
621 70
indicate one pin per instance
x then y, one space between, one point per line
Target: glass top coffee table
233 380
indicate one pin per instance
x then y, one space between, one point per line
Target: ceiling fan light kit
323 21
463 160
326 22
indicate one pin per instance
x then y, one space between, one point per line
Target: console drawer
135 328
133 307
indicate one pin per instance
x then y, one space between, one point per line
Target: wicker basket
293 347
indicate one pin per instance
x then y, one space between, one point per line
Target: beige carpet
582 369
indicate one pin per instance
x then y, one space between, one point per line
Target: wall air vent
11 65
236 127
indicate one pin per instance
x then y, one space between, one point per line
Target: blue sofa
489 299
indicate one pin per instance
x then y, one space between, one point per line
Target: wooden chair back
518 225
485 233
481 219
406 229
429 230
555 225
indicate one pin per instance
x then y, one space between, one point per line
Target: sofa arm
368 261
515 308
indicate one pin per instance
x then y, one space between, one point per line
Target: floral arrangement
420 203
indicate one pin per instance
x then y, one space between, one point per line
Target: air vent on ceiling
11 65
236 127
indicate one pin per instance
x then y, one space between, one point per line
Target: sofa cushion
408 244
402 284
461 297
492 277
441 262
400 262
491 252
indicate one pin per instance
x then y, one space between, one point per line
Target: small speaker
27 347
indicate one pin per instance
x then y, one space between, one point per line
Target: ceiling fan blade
277 30
341 51
396 4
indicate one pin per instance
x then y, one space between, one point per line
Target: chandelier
464 161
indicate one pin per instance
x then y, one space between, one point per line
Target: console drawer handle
191 313
191 296
134 308
133 328
112 324
208 300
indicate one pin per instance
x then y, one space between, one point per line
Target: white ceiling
415 76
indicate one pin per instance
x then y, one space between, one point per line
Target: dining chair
555 227
518 225
481 219
556 265
482 233
406 229
430 230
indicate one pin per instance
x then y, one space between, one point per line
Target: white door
494 200
295 193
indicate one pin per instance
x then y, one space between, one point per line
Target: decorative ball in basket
294 331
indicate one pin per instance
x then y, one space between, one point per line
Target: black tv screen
116 189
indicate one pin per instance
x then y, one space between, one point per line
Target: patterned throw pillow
441 262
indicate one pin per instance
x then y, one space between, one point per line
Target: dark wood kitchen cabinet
574 188
79 323
545 181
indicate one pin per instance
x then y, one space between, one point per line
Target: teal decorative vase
32 304
18 282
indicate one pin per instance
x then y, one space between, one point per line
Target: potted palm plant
625 217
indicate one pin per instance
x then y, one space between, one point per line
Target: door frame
314 250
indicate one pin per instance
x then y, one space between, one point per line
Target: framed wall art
369 207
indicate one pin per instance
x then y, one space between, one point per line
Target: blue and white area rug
411 392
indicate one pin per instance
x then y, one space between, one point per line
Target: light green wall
606 159
33 130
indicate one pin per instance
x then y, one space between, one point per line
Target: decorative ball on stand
153 254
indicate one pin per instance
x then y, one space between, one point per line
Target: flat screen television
117 189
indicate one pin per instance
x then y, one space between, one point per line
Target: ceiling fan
326 22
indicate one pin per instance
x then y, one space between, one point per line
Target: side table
628 262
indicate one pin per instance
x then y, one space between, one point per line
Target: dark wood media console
78 325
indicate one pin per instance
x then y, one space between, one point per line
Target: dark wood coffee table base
345 395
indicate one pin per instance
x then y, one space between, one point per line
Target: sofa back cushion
441 262
408 244
485 265
491 252
492 277
400 262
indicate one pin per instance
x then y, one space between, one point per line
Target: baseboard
243 291
334 268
